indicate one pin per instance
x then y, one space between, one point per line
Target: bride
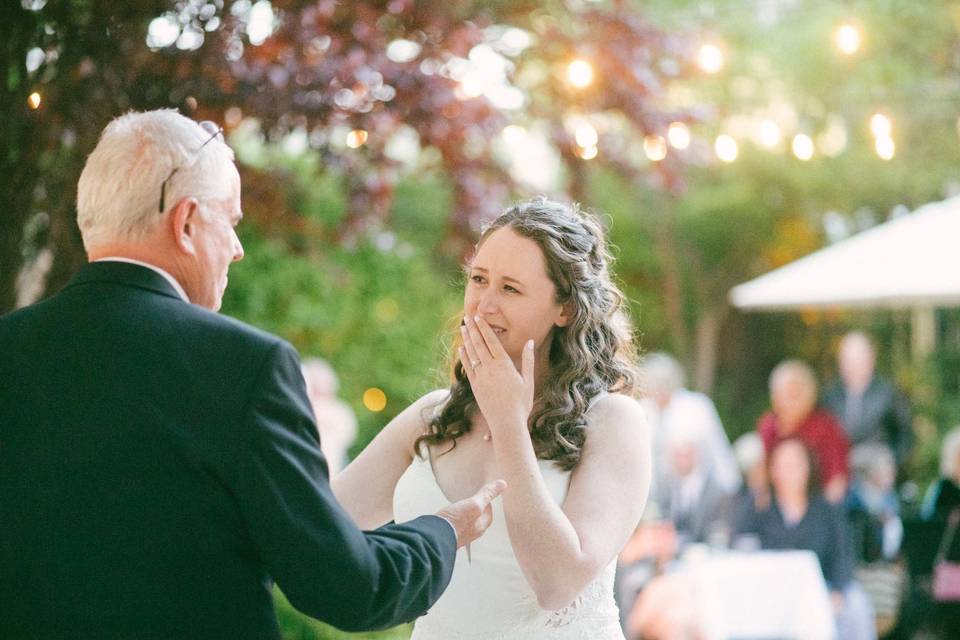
540 397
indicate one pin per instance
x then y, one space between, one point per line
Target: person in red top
793 398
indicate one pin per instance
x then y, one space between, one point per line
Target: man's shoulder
206 320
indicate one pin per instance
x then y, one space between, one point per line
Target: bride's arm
562 550
365 487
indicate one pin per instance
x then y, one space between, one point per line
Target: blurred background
718 140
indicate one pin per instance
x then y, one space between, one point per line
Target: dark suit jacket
884 416
159 467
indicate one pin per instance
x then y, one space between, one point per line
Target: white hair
795 370
118 195
661 373
871 457
948 453
857 338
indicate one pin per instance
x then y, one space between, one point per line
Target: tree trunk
707 349
18 158
666 246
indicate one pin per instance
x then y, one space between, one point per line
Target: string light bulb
847 38
655 147
726 148
34 100
802 146
880 126
679 135
588 153
710 58
580 73
885 147
357 138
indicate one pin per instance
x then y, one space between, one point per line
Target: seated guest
943 496
669 406
754 493
799 518
691 497
873 506
793 398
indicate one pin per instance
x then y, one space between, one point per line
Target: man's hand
471 517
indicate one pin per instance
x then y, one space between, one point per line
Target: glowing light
655 147
473 84
403 50
34 100
802 146
880 126
769 134
374 399
514 134
885 148
847 39
586 135
261 22
710 58
679 135
726 148
163 31
356 138
580 74
587 154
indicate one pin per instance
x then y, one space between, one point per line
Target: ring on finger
475 364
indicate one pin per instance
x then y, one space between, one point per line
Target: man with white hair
159 463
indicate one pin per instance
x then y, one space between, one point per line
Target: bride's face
508 286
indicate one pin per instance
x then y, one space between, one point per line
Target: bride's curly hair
593 353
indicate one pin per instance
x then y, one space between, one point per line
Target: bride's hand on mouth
504 395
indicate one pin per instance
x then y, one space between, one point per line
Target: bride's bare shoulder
616 418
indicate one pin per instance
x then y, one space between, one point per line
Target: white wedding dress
488 597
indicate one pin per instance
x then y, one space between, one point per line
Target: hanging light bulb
710 58
847 38
679 135
655 147
802 146
356 138
579 73
726 148
880 126
885 147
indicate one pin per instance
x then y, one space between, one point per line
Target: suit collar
127 274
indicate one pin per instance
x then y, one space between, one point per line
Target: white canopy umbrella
911 261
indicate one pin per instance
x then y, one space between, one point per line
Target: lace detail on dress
590 603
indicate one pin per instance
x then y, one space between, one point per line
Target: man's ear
183 224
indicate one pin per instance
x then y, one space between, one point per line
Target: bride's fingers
476 338
490 339
466 363
470 346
